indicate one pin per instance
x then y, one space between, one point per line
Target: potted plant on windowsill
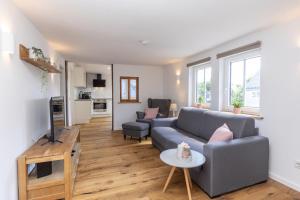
237 106
200 102
237 99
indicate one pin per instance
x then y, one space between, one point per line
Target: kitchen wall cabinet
79 77
89 79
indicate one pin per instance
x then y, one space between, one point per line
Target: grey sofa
229 166
163 112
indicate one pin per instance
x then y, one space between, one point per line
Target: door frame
66 94
112 96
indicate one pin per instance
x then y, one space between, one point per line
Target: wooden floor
113 169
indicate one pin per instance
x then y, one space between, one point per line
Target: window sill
128 102
256 116
203 106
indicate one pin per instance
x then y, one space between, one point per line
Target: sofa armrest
164 122
238 163
140 115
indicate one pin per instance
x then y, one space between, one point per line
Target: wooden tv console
60 183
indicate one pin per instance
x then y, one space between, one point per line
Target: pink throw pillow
222 133
151 113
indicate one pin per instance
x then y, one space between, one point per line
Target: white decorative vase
184 152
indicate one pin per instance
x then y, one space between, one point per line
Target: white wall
176 83
150 85
280 94
24 99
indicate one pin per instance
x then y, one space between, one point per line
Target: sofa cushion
192 120
138 126
222 134
241 126
162 104
151 113
169 138
148 121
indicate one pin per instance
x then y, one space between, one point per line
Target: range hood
99 82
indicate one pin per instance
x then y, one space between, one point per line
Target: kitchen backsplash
101 92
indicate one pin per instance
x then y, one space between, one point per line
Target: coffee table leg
190 180
169 178
187 180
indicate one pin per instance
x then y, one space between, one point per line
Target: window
202 84
242 81
129 89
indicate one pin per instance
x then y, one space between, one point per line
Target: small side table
170 158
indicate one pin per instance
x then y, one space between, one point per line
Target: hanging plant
44 83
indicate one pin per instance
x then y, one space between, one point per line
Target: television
57 118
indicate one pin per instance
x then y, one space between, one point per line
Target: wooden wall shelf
64 157
24 55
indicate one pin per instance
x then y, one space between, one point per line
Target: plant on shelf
36 53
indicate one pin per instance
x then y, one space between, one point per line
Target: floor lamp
173 109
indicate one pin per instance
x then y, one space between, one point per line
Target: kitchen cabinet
89 79
82 111
79 77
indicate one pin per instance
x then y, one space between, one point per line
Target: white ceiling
109 31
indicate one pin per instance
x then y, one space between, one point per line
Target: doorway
89 92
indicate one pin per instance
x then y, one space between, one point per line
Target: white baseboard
284 181
118 128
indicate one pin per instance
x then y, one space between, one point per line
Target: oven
99 105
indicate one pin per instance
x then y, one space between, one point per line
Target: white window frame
227 64
194 82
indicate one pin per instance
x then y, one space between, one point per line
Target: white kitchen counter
83 100
82 111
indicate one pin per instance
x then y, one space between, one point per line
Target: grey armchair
163 112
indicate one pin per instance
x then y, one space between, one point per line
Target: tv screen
57 117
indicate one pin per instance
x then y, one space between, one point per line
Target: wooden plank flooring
113 169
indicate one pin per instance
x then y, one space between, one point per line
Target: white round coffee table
170 158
